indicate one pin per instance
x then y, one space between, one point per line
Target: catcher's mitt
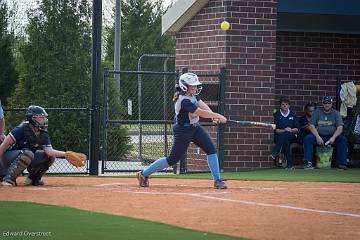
76 159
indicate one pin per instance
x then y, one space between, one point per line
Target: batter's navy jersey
185 107
19 133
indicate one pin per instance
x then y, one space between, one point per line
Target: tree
8 74
140 33
54 68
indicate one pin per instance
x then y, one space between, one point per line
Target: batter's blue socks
158 165
214 166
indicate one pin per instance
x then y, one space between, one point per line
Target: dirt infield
258 210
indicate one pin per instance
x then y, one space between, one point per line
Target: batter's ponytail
178 92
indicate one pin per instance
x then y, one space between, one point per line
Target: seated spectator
348 131
304 120
326 127
287 126
2 124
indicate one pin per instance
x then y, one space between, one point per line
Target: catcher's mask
190 79
33 112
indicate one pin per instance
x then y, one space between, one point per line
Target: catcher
29 146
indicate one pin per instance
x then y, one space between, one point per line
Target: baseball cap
327 99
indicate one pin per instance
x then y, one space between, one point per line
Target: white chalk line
281 206
159 184
206 195
245 188
110 184
37 188
173 193
202 195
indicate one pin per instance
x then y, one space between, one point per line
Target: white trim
13 138
180 14
285 115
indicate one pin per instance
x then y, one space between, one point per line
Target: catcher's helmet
190 79
35 111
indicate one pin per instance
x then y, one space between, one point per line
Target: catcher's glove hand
76 159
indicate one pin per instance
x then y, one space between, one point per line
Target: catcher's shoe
143 181
29 181
8 183
220 184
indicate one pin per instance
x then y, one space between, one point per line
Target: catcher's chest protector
34 141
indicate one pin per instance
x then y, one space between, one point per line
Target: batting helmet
36 111
190 79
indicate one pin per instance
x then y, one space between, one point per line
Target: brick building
273 48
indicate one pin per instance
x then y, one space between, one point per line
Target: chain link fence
68 130
138 119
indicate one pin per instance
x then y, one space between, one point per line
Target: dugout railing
138 117
69 129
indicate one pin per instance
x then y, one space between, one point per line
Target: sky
22 6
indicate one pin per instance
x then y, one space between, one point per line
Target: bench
282 162
294 146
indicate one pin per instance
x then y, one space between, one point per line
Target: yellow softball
225 25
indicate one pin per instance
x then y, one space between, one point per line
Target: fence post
95 94
105 121
221 127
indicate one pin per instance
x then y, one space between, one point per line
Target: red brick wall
248 51
250 82
307 65
200 45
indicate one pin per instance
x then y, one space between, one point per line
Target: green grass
298 175
55 222
351 175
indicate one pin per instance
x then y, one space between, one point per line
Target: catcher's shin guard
21 162
36 171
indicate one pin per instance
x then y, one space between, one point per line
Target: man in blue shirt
304 122
287 126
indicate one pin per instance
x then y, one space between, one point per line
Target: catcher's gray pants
40 161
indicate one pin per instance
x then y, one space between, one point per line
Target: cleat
29 181
342 167
308 165
220 184
143 181
276 160
8 183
